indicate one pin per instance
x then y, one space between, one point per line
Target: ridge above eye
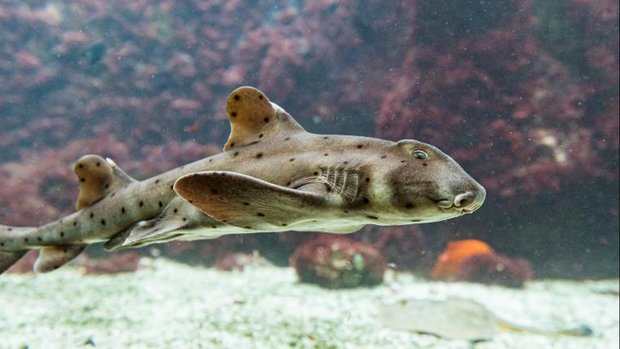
420 154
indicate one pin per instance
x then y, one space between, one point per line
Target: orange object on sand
448 265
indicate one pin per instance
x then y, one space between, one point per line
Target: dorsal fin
97 177
253 118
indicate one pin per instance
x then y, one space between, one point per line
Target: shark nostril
464 200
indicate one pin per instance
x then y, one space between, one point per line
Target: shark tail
14 243
10 256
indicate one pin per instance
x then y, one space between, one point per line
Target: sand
171 305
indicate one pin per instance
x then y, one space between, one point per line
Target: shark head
426 185
327 183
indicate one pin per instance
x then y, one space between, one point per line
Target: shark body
272 176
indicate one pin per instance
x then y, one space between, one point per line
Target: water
523 94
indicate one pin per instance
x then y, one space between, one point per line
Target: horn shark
272 176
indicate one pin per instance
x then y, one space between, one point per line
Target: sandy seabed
170 305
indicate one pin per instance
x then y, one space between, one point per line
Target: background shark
272 176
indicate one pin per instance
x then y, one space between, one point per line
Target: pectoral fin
249 202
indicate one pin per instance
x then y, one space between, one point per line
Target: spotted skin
282 178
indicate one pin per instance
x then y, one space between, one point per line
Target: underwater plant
334 261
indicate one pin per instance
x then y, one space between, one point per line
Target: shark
272 176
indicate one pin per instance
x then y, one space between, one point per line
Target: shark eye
419 154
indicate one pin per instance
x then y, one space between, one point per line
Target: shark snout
470 200
466 201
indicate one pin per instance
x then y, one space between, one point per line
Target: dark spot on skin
10 229
288 184
372 217
25 239
39 239
236 97
284 224
416 220
345 163
56 267
346 211
360 146
325 137
366 179
260 96
260 135
383 156
210 160
402 161
409 206
213 226
291 159
325 154
157 181
62 234
161 204
236 153
246 203
365 200
103 222
248 227
184 219
74 223
98 164
225 221
424 164
2 244
266 120
123 210
190 201
171 187
175 210
315 173
92 215
141 203
287 138
82 179
259 155
107 186
260 214
232 145
233 114
329 189
80 165
113 195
